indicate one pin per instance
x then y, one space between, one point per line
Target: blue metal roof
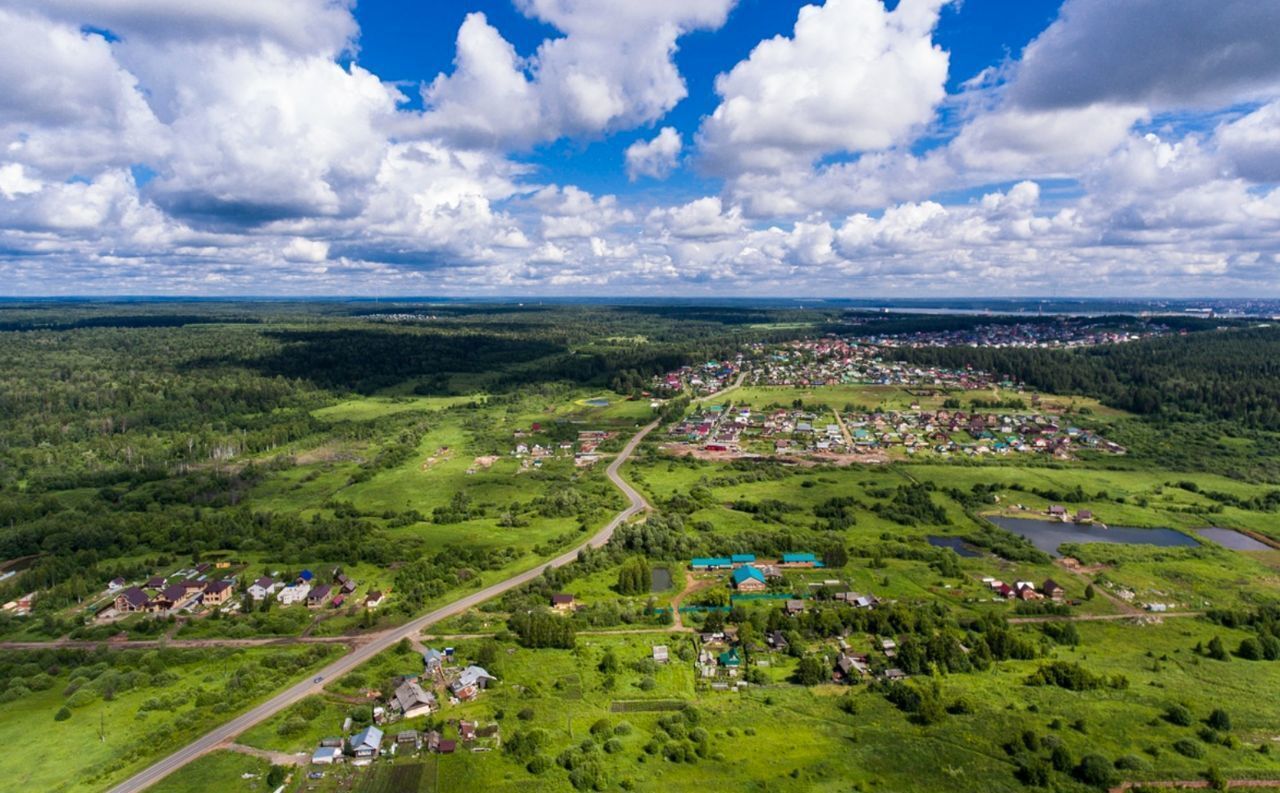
747 573
743 558
799 557
711 561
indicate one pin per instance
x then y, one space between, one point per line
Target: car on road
318 678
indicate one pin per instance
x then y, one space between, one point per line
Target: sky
846 148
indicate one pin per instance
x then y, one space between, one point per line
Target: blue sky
560 147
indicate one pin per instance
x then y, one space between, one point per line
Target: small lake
1047 535
956 544
1230 538
659 579
598 403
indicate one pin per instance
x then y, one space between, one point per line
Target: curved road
378 642
383 641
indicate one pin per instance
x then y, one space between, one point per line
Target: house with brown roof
131 600
1053 590
562 602
317 596
216 593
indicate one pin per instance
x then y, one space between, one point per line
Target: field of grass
174 695
217 772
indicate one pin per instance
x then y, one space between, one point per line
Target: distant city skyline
669 148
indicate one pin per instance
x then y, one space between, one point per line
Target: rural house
412 701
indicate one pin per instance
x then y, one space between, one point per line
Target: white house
295 593
264 586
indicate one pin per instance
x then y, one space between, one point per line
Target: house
660 654
216 594
467 731
192 586
562 602
793 607
889 647
729 659
155 582
431 740
433 660
446 747
131 600
742 558
800 560
1052 590
367 742
409 738
115 585
1057 511
470 682
316 597
852 665
294 593
776 640
749 579
374 599
306 575
1084 516
264 586
412 701
327 755
175 593
711 563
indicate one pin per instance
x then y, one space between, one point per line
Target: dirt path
1137 615
691 586
1184 784
82 644
275 758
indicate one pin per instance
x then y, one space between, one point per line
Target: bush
538 765
1095 770
63 714
1219 720
1179 715
1131 762
1188 748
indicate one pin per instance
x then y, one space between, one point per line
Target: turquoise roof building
747 573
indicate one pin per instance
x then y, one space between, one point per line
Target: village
797 431
415 697
204 587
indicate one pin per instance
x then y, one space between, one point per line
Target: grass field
178 695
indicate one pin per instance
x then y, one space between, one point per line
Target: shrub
1095 770
63 714
1188 748
1179 715
1219 720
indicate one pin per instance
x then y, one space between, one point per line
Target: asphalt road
385 640
376 643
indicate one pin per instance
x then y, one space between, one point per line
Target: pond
598 403
1047 535
956 544
1230 538
659 579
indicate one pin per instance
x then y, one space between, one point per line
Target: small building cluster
1025 590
